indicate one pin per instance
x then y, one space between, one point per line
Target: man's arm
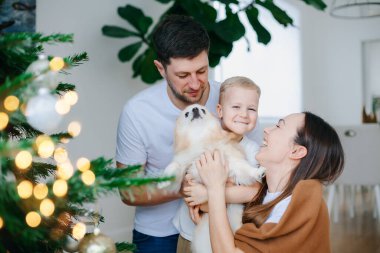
142 197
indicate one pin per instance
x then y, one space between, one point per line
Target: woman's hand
212 170
196 194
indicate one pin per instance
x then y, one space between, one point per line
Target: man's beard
182 97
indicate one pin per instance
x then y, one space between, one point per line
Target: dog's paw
163 185
260 174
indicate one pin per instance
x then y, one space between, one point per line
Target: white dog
197 131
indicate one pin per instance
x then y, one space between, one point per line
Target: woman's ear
219 110
160 68
298 152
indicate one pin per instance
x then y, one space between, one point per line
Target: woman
300 153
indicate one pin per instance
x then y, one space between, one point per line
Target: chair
361 146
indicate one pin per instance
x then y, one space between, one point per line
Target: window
276 67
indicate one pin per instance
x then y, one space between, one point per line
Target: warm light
41 138
25 189
79 230
56 64
65 170
11 103
62 107
47 207
60 155
88 177
64 140
83 164
74 128
40 191
60 188
1 223
46 148
23 159
33 219
4 119
71 97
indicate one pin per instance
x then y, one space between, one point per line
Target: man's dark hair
178 36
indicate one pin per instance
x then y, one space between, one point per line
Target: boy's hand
196 194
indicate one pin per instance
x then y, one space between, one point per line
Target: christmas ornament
41 113
97 243
71 245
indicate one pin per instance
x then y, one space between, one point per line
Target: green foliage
223 33
17 52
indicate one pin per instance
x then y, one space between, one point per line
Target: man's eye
187 114
182 76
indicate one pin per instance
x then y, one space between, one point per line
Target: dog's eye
204 111
187 114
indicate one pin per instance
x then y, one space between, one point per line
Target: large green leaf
144 66
219 46
280 15
213 59
127 53
117 32
135 17
318 4
229 1
263 36
202 12
230 29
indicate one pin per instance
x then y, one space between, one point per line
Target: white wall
331 76
331 60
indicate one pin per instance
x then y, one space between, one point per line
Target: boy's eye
235 106
252 109
277 125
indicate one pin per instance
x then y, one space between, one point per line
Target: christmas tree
42 192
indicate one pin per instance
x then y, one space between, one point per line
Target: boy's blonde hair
238 81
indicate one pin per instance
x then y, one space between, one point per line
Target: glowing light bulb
71 97
79 230
23 159
83 164
33 219
46 148
11 103
47 207
60 155
65 170
1 222
60 188
62 107
25 189
56 64
40 191
4 119
88 177
74 128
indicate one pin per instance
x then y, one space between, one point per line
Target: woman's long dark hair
324 162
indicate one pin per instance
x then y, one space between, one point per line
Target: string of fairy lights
44 147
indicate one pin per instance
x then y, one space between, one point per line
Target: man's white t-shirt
145 136
182 220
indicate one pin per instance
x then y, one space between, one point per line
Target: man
146 125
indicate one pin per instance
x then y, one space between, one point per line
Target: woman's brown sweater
304 227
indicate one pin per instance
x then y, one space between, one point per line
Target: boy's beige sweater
303 228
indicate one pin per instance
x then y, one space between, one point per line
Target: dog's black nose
196 113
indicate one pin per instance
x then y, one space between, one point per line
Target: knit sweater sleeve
304 226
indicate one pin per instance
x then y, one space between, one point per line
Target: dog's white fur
197 131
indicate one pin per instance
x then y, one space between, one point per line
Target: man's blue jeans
151 244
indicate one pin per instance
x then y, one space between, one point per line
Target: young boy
237 109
